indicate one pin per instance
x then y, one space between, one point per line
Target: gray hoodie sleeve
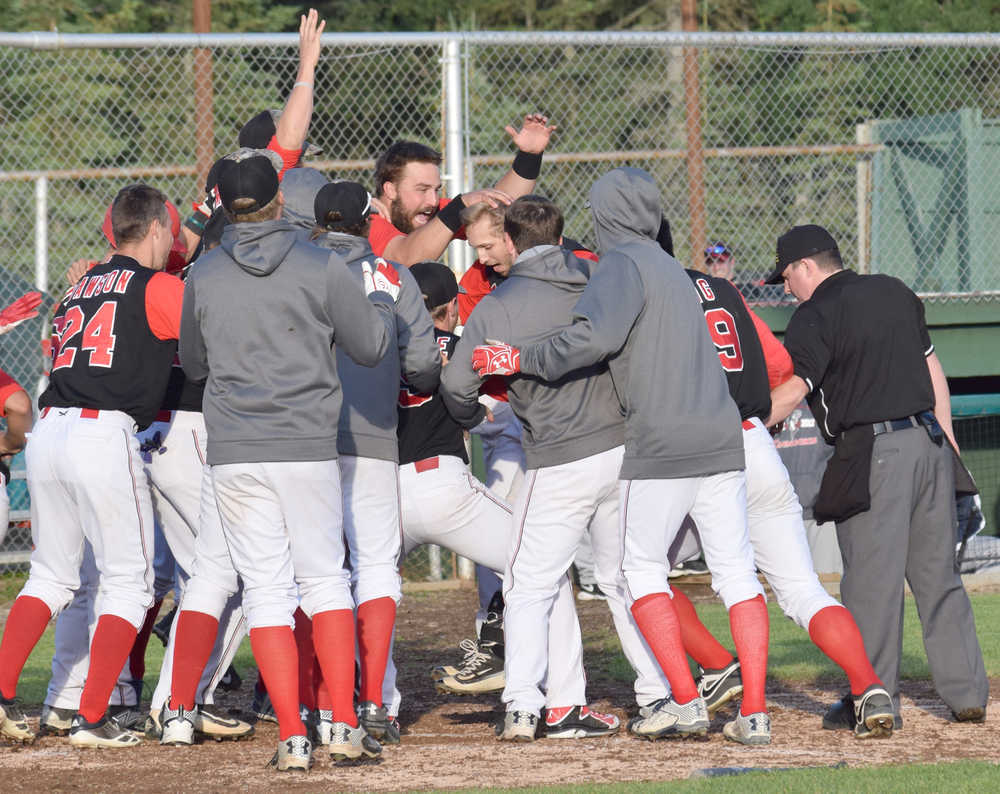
602 320
363 327
191 347
419 354
459 381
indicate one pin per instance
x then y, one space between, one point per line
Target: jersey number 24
96 336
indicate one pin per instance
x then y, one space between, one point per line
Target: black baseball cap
252 178
341 205
798 243
257 133
436 282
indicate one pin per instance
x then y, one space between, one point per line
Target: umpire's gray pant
908 532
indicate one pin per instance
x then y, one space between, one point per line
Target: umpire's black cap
798 243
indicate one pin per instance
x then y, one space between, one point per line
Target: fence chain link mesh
889 145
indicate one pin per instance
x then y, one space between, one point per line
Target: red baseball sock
657 620
307 659
333 638
26 623
193 643
278 662
834 632
323 700
698 641
748 622
137 656
375 621
113 639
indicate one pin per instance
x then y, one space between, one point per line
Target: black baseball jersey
182 393
736 341
114 336
425 427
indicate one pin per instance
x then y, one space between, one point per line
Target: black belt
892 425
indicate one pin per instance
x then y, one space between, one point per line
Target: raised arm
531 141
293 126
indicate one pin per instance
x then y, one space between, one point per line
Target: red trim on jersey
8 386
164 297
779 363
476 287
585 253
289 157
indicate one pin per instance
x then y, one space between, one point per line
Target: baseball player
413 222
367 450
683 446
15 407
777 534
443 503
114 338
573 434
272 403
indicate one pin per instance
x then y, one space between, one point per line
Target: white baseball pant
87 484
652 512
174 450
777 534
73 635
447 506
370 490
503 460
4 513
556 506
283 525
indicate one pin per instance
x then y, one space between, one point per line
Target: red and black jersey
425 427
740 353
114 337
182 393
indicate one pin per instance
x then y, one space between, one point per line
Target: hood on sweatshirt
347 246
552 264
625 204
259 247
299 187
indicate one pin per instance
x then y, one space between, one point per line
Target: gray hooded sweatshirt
369 414
565 418
641 313
261 315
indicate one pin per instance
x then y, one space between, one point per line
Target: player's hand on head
310 32
382 278
490 195
534 134
24 308
496 358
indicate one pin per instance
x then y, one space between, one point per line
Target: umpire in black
864 359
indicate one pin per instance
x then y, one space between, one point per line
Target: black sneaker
231 681
377 723
689 568
579 722
590 592
840 716
718 687
873 717
104 733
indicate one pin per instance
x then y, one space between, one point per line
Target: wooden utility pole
695 154
204 122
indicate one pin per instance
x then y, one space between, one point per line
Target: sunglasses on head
717 250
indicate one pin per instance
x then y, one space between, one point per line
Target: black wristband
451 213
526 165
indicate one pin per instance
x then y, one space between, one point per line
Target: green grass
793 659
964 776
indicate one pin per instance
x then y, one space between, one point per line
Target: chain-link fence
887 140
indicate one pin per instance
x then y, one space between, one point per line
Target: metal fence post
454 144
42 233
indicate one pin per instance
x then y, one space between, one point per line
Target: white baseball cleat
667 718
294 754
177 727
13 724
104 733
518 726
750 729
352 745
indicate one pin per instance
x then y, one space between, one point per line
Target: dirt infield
449 742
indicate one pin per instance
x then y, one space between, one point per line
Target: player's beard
402 220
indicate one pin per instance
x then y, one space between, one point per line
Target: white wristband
302 82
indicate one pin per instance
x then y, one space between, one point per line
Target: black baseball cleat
972 714
719 687
579 722
873 717
841 716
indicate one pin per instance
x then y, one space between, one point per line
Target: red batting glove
24 308
498 358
